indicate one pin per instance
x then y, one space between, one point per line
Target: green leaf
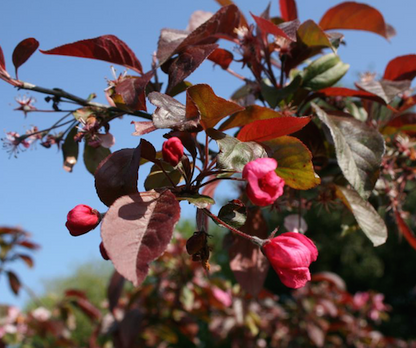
233 213
234 154
359 150
294 163
93 157
324 72
157 179
367 217
274 96
200 201
70 150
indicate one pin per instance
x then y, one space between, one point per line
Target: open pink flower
82 219
290 255
172 151
264 186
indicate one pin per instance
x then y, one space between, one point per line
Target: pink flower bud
290 255
82 219
264 186
172 151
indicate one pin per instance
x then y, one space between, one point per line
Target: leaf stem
259 242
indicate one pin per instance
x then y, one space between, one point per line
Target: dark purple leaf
107 47
23 51
130 92
93 156
2 62
114 290
137 229
14 282
169 40
117 175
247 262
187 61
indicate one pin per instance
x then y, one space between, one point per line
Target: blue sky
36 193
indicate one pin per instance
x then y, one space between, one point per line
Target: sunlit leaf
158 179
312 35
234 213
401 68
294 162
367 217
198 200
354 15
269 27
210 107
221 57
405 123
264 130
248 115
288 10
137 229
107 47
385 89
359 149
347 92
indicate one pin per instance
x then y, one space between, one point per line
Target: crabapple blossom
264 185
290 255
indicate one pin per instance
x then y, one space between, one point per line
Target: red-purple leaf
26 259
130 94
29 245
270 28
14 282
2 61
263 130
117 175
401 68
23 51
347 92
405 123
137 229
76 293
114 290
107 47
221 57
85 306
288 10
188 60
356 16
243 20
247 262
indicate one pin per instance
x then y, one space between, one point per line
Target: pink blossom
14 143
26 104
290 255
82 219
264 186
222 296
172 151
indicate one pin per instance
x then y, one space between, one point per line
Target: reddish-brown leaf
137 229
405 230
405 123
86 307
185 64
263 130
117 175
108 48
243 20
401 68
357 16
408 103
2 61
247 262
130 92
221 57
23 51
29 245
211 108
248 115
288 10
114 290
76 293
347 92
330 277
270 28
14 282
26 259
142 127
